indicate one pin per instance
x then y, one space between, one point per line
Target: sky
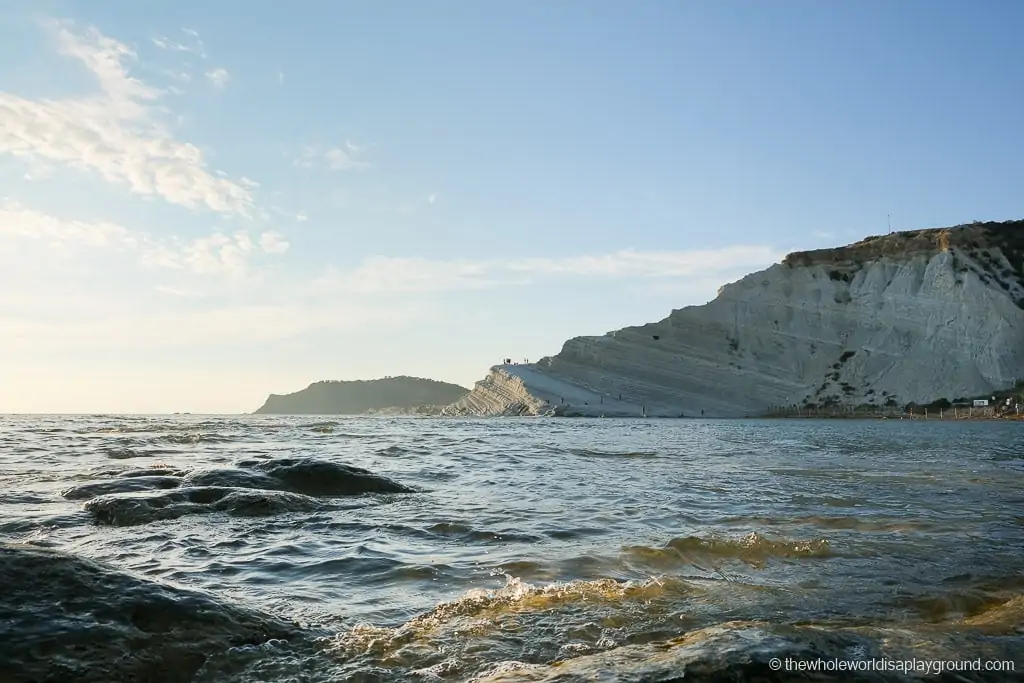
205 202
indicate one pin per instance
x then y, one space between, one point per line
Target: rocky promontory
389 395
910 317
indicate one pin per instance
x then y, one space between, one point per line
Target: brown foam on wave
484 612
1007 615
753 549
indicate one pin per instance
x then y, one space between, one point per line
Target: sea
540 540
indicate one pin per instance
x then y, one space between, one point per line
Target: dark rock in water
65 619
129 485
255 487
132 509
307 476
322 478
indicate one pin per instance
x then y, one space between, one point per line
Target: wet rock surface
231 477
64 618
126 485
322 478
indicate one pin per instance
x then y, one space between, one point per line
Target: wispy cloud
431 199
390 274
115 133
340 158
218 77
631 263
176 291
273 243
216 254
18 221
190 43
233 325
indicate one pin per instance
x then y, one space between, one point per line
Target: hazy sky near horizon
205 202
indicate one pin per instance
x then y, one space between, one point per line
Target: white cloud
216 254
431 199
179 76
280 78
18 221
389 274
334 158
339 159
218 77
301 217
630 263
114 133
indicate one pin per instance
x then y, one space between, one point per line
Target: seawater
535 540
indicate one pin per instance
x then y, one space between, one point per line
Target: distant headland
392 395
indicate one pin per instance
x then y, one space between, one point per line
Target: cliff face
909 317
401 394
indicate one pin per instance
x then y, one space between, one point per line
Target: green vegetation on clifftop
361 396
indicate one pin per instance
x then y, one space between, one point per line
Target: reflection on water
538 540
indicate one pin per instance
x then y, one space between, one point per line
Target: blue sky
203 203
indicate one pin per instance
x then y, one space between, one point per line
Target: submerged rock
127 485
737 652
322 478
132 509
64 618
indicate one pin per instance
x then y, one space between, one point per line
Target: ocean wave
841 522
594 453
482 611
469 534
753 549
191 438
129 453
321 427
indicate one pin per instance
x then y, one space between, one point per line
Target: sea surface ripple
531 540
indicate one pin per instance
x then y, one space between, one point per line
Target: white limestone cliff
909 317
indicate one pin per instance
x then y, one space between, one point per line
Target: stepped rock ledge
911 317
